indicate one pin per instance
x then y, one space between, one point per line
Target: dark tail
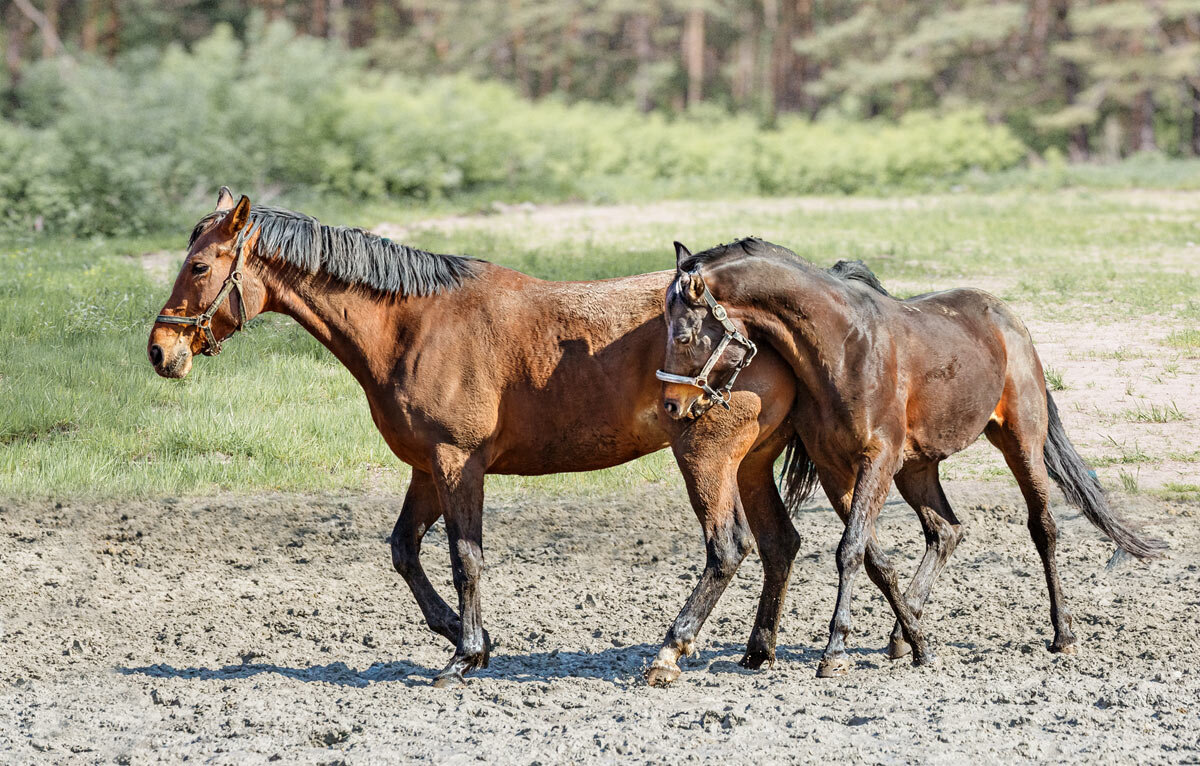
798 479
1079 484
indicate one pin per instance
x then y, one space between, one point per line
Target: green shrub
99 148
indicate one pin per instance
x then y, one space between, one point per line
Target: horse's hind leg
727 540
420 511
777 546
1018 429
858 500
920 487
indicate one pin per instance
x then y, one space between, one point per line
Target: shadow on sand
617 666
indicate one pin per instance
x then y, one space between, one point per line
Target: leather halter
233 282
700 380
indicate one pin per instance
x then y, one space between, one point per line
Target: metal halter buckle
233 283
700 380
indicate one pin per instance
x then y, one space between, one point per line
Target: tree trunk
88 34
520 64
273 9
338 28
566 59
643 51
318 20
693 54
766 78
1039 37
1078 140
787 94
51 43
746 61
112 29
805 68
45 23
1194 142
19 28
362 29
1142 134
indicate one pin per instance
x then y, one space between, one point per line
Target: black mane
844 270
857 270
350 255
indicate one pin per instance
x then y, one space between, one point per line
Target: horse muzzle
684 402
173 361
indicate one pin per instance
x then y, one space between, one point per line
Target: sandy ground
246 630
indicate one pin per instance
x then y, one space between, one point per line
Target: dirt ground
246 630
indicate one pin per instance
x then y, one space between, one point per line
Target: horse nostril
156 355
671 407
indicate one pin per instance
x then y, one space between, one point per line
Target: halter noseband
700 380
233 282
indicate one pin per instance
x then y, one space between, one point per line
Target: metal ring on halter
700 380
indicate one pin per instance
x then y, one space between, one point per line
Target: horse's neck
797 310
359 328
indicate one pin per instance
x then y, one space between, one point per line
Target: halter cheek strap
233 283
732 335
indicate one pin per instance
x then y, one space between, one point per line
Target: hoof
451 676
927 660
755 659
1067 648
662 673
897 648
833 667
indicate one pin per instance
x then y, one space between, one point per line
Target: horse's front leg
727 540
421 510
777 542
459 479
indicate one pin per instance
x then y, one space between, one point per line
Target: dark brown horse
887 389
469 369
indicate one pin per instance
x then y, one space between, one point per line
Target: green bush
99 148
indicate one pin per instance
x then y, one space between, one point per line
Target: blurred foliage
118 148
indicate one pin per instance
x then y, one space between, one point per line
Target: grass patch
1186 340
1054 379
81 412
1179 492
1155 413
1127 456
1129 481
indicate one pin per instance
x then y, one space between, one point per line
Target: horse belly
564 440
948 418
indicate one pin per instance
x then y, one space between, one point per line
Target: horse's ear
236 219
224 199
692 285
681 253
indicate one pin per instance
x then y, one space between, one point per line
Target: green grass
1054 379
1155 413
1129 481
1127 456
81 411
1179 491
1187 340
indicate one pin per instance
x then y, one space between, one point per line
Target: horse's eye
199 268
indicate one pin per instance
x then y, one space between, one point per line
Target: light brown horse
469 369
887 389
